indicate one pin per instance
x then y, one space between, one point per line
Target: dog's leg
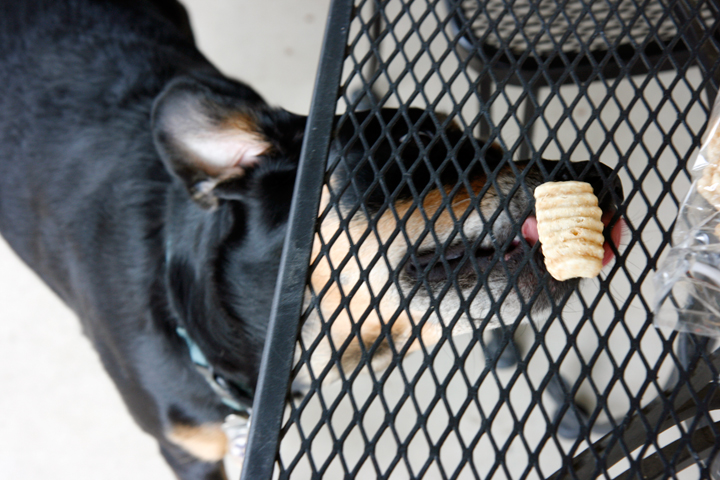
187 467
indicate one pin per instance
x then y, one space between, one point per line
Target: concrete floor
62 417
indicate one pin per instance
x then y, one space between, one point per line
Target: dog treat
709 183
570 229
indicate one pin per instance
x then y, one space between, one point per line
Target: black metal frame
689 396
272 387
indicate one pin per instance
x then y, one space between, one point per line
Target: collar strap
238 397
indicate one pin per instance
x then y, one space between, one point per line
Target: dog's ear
208 134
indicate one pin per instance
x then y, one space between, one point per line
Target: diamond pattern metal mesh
571 26
596 389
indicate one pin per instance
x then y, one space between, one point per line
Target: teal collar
237 397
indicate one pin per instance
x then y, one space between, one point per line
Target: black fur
87 202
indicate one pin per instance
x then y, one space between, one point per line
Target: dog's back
99 100
78 84
82 187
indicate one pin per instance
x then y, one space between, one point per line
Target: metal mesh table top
571 26
596 365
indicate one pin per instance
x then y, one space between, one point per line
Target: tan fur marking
379 249
205 442
246 124
432 202
361 294
241 121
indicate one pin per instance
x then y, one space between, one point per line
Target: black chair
548 43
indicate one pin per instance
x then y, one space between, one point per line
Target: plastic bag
687 283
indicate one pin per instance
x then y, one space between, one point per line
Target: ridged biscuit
570 229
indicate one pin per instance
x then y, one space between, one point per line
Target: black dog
151 193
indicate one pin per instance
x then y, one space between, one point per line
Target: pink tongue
530 231
615 236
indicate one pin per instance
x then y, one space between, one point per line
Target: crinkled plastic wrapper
687 284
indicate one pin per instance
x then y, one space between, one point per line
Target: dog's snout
606 185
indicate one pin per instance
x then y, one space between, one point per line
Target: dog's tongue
530 231
615 236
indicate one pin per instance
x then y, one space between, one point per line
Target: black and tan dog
151 193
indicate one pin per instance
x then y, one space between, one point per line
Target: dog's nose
607 187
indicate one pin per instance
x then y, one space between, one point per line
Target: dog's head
427 230
423 228
233 161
